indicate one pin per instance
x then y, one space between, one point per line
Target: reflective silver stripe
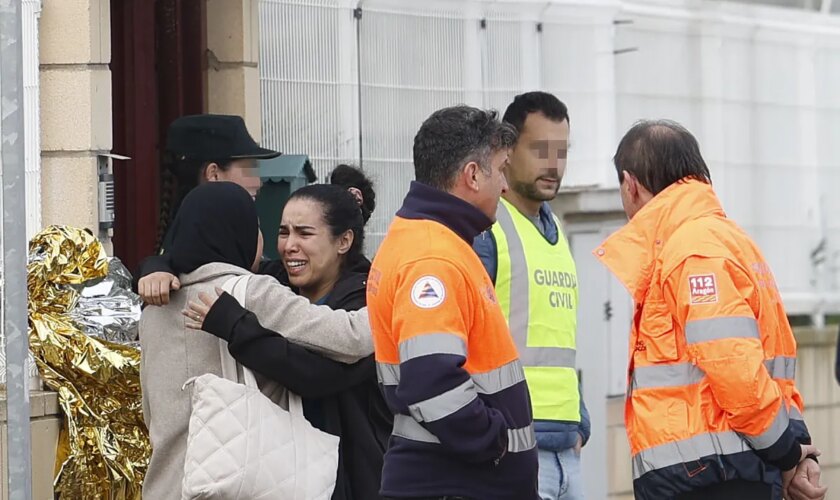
408 428
432 343
769 437
443 405
485 383
388 373
795 414
559 357
519 440
648 377
499 379
782 367
518 320
556 357
705 330
687 450
645 377
522 439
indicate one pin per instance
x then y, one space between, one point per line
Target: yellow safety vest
536 285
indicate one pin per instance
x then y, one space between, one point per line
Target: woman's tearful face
310 253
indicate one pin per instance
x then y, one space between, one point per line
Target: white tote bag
243 446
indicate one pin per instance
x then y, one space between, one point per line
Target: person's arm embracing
340 335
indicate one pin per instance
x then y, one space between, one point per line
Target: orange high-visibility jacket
711 392
447 364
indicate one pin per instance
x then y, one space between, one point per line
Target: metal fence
345 83
351 81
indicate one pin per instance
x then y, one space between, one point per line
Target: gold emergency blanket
104 449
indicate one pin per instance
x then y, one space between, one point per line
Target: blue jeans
559 477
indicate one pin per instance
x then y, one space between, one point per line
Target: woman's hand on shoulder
197 312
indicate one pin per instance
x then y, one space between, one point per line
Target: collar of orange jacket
630 253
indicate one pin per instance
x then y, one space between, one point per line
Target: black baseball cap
213 138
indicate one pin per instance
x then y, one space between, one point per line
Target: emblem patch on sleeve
428 292
702 289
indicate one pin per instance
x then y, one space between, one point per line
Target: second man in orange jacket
712 408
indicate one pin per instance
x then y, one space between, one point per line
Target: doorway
158 74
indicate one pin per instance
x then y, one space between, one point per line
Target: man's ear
470 173
632 184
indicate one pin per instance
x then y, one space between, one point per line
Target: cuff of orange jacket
784 453
223 316
800 430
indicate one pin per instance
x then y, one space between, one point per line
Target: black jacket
345 399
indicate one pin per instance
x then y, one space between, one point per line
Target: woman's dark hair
348 176
341 213
178 178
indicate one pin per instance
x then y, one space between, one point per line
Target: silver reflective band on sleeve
485 383
408 428
519 440
769 437
432 343
388 373
557 357
705 330
445 404
795 414
687 450
522 439
676 375
499 379
781 367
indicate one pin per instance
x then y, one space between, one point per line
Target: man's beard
529 190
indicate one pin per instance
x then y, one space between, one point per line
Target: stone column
76 122
233 76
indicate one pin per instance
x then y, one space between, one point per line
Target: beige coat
171 354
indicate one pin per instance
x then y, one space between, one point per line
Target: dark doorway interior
158 49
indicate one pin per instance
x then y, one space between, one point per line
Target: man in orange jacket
712 410
446 362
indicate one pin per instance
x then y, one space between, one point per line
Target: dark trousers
736 489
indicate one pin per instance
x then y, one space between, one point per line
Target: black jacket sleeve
304 372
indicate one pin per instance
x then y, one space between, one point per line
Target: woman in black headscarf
217 224
216 237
